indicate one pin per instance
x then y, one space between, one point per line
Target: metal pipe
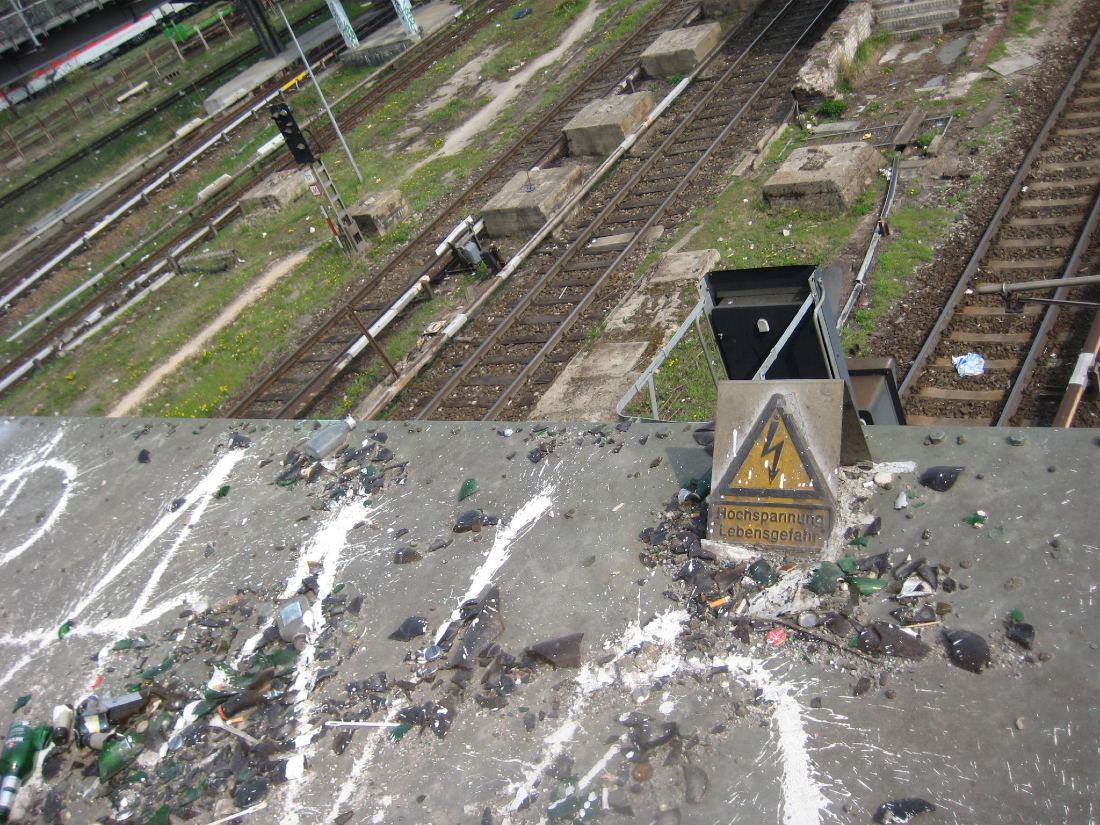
971 268
1079 379
1027 286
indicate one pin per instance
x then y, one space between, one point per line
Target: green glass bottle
17 761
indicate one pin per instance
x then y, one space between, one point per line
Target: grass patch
684 386
916 231
852 71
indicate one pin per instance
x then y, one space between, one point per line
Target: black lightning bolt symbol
773 469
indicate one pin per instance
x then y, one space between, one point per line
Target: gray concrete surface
89 534
826 177
601 125
525 202
679 51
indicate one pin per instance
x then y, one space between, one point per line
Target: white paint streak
321 556
16 479
803 799
501 551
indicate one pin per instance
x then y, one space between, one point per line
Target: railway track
566 290
155 266
1041 230
138 119
26 268
302 377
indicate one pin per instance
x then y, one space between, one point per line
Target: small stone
884 480
1013 583
815 702
1020 723
926 534
891 694
1052 469
1045 656
862 686
902 501
935 437
1017 439
965 564
960 440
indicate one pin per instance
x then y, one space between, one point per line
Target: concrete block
601 125
515 211
685 266
379 212
823 178
274 192
679 51
817 78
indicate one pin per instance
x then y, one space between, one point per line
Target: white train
112 42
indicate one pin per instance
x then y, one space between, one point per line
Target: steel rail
191 145
920 362
558 334
214 213
335 365
1050 316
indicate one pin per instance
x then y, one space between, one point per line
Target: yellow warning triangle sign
774 461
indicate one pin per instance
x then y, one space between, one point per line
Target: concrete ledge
817 77
601 125
823 178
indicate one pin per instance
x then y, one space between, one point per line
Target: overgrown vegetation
863 61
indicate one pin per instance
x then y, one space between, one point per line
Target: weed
832 108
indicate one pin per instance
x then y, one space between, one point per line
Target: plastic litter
969 365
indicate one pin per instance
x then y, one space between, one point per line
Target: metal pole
373 342
15 4
324 101
1027 286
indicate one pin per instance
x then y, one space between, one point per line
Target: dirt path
133 399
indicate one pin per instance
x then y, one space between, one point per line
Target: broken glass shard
410 628
406 555
469 487
881 637
866 586
251 792
762 572
564 651
902 810
940 479
968 650
825 578
1021 633
471 520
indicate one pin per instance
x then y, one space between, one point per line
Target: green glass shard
866 586
21 702
223 491
398 733
859 541
117 755
847 565
1016 615
825 578
64 630
762 572
469 487
975 520
159 817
